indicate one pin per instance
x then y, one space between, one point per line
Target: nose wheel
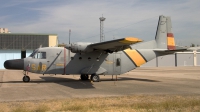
26 78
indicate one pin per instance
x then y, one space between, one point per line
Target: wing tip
130 40
133 39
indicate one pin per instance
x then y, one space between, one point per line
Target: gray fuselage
58 61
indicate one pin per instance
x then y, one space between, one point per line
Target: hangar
21 45
176 59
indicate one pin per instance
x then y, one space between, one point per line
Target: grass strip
133 103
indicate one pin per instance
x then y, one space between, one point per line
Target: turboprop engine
79 47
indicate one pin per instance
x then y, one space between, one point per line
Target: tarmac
141 81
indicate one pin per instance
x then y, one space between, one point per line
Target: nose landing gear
26 78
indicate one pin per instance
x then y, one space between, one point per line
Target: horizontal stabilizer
179 49
194 48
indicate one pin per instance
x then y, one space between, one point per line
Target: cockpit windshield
34 52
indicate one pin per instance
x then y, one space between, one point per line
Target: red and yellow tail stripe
135 56
170 41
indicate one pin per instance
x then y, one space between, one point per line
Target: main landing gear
84 77
93 77
26 78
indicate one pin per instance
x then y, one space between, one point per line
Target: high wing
115 45
108 46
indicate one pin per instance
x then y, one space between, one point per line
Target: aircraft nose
16 64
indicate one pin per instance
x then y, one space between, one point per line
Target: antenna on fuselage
40 46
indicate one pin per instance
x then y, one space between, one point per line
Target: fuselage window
118 62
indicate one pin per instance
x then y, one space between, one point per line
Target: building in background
62 45
4 30
176 59
18 45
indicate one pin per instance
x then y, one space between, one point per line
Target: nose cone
17 64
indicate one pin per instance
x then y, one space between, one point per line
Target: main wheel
26 79
84 77
95 78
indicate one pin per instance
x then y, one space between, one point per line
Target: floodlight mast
69 35
69 44
101 28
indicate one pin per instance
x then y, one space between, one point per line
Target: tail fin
164 36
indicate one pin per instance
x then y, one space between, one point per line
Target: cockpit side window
43 55
40 55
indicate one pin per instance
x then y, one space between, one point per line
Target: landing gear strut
84 77
95 78
26 78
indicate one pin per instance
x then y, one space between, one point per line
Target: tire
91 77
95 78
26 79
84 77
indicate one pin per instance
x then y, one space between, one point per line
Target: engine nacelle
79 47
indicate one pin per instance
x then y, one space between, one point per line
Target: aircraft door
53 62
61 62
117 63
51 65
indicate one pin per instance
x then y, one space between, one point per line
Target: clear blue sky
124 18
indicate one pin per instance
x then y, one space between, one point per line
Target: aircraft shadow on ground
73 83
128 78
59 80
78 84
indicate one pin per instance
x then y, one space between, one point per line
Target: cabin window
118 62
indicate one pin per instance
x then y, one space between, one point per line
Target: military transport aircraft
113 57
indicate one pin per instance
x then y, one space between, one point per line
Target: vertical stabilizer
164 36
